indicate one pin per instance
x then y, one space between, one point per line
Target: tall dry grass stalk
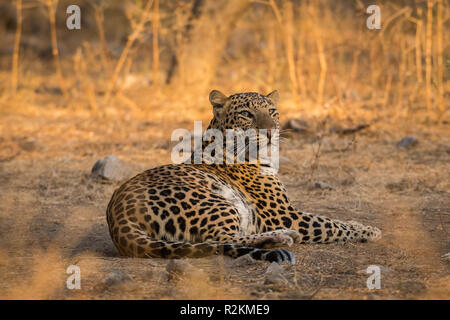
81 71
321 55
428 42
418 44
300 57
271 55
51 9
155 28
287 29
15 58
138 27
402 69
439 58
99 20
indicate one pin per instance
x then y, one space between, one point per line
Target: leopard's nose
265 121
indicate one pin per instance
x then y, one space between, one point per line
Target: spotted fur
196 210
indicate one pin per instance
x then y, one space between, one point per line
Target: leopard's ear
273 96
218 101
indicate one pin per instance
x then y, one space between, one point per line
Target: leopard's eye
272 111
246 114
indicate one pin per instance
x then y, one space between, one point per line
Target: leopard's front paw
295 235
275 241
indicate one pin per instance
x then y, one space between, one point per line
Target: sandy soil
52 212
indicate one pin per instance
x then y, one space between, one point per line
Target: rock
116 277
27 143
340 130
446 256
295 125
244 260
276 279
274 267
407 142
274 275
111 167
322 185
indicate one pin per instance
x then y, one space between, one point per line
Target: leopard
194 210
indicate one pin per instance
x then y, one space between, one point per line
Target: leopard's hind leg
140 245
132 241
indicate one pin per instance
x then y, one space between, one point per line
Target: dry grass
127 101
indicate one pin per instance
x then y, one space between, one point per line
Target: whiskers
286 132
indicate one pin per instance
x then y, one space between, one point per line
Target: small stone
244 260
274 275
116 277
295 125
111 168
276 279
446 256
274 268
407 142
27 144
322 185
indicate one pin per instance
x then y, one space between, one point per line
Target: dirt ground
52 212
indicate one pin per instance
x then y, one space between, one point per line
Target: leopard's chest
243 206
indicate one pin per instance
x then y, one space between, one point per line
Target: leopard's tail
142 246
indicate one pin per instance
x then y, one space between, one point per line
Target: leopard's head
244 111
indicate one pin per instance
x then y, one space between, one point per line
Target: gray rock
407 142
116 277
276 279
296 125
322 185
111 168
274 268
244 260
446 256
28 144
274 275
